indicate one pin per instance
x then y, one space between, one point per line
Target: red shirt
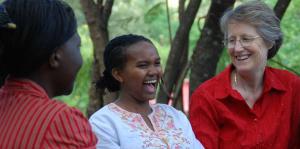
29 119
221 118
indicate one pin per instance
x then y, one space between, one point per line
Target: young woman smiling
133 68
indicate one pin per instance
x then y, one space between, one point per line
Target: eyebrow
244 35
141 61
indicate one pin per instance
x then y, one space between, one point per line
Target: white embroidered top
117 128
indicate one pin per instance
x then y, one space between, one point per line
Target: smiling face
140 76
249 56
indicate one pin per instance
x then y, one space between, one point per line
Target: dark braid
115 57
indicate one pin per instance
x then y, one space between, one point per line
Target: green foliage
77 9
289 53
128 17
153 12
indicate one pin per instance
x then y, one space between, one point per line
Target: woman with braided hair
132 67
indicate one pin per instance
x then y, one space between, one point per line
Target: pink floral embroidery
170 125
165 133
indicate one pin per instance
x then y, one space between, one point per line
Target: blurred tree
178 56
97 14
206 53
280 7
209 47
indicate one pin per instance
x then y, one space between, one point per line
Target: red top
29 119
221 118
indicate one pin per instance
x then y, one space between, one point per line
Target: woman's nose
154 70
238 46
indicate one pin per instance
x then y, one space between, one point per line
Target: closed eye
142 65
157 63
247 39
231 40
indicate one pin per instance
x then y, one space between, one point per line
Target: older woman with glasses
249 104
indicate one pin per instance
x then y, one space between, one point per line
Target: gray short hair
262 17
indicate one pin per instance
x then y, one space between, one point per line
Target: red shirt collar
224 89
24 85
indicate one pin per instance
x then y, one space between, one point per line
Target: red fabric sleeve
203 117
295 125
69 129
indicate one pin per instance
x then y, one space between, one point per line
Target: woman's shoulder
164 107
217 82
73 119
169 110
103 112
54 112
281 72
287 78
58 108
55 106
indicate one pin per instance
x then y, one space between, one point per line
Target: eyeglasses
244 41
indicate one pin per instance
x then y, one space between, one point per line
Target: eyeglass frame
242 41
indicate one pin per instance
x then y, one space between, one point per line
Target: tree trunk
97 16
178 47
281 7
209 46
177 94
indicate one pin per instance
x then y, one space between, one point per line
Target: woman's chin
244 69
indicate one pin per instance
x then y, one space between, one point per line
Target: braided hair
115 57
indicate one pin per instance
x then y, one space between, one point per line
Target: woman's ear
116 73
54 59
269 45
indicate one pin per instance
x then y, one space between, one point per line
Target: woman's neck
251 81
249 85
133 105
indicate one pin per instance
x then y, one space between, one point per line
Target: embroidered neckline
163 124
123 110
137 117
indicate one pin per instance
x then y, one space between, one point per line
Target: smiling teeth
151 81
242 57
